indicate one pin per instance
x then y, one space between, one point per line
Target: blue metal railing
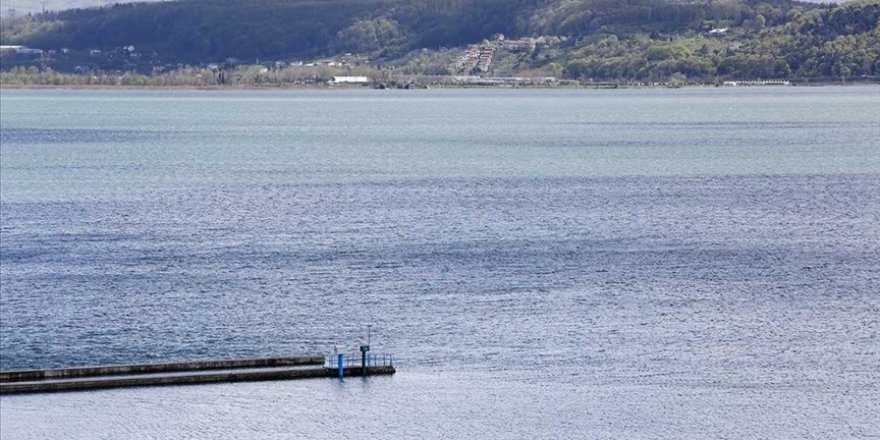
354 360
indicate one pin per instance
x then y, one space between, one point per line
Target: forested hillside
195 30
596 39
24 7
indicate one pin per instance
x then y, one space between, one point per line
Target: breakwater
177 373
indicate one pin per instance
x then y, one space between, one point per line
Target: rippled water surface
699 263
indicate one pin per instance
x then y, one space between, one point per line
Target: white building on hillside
350 80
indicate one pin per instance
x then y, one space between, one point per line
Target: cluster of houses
476 58
128 59
526 44
521 45
475 63
20 50
124 58
341 61
24 50
760 82
505 80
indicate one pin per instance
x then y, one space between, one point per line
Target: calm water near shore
629 264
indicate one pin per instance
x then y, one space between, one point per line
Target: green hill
590 39
199 30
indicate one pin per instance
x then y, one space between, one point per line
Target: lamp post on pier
364 350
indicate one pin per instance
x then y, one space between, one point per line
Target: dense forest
646 40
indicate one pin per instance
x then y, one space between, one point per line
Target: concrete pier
110 370
177 373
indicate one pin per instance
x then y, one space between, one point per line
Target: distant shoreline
430 87
151 87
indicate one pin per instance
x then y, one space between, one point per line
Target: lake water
630 264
